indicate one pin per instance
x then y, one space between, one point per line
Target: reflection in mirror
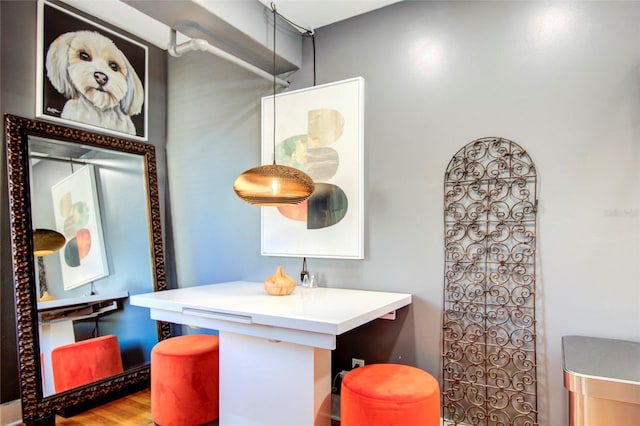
103 216
100 193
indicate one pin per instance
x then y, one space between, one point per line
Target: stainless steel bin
603 380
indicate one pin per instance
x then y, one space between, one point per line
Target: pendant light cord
273 185
273 6
308 32
313 42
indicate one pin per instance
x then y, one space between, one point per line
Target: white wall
560 79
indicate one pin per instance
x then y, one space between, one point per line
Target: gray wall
560 79
18 76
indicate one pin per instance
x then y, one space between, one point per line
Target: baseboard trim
11 413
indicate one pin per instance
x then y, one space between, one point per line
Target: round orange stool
184 380
389 395
85 361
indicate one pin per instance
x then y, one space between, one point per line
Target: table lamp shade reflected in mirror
45 242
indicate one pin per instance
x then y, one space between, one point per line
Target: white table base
52 335
273 383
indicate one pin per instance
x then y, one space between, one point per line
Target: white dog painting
101 86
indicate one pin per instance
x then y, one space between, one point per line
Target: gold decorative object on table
279 284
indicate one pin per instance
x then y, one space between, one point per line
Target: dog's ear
131 103
57 63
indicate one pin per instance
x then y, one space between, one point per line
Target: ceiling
232 25
313 14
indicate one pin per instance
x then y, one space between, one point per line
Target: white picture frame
83 258
319 130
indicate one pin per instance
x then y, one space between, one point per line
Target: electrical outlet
357 362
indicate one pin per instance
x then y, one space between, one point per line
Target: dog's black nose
101 78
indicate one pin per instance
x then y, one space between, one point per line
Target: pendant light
47 241
273 185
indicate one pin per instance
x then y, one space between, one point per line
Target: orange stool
184 380
389 395
86 361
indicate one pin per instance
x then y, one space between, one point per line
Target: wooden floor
131 410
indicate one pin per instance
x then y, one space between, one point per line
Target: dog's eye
114 66
84 56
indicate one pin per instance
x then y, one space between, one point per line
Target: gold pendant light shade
47 241
273 185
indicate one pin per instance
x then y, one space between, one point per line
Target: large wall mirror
92 201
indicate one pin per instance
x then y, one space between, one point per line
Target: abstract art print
88 75
319 130
77 214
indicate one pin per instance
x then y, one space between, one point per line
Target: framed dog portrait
90 76
319 130
77 214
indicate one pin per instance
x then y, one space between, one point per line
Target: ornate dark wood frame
17 129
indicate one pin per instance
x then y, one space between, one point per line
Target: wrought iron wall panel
489 339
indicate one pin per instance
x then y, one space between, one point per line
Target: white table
275 351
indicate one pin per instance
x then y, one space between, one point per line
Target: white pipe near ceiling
176 50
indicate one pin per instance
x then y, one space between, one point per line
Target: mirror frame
17 131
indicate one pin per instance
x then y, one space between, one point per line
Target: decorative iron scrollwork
489 339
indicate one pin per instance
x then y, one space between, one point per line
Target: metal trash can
603 380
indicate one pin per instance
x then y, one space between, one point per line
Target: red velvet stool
389 395
184 380
86 361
